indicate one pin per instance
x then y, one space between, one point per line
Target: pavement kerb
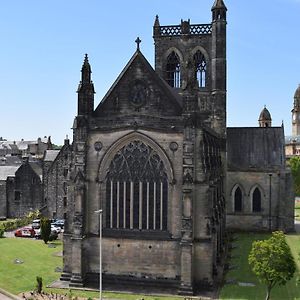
11 296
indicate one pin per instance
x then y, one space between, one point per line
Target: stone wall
276 190
3 201
26 193
55 184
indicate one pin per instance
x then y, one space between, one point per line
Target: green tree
294 163
45 229
271 261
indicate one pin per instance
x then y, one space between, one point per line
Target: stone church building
152 157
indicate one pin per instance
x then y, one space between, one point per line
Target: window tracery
200 68
173 75
136 189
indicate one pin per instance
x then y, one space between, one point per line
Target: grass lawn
297 211
243 273
40 260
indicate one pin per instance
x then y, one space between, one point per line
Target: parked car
59 223
36 224
25 232
55 228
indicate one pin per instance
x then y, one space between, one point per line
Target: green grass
120 296
243 273
40 260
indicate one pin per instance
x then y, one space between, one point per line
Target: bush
39 284
2 231
16 223
45 229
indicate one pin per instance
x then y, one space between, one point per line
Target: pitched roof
50 155
138 55
10 160
255 148
37 169
8 171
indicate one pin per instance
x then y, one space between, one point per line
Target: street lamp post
100 252
270 204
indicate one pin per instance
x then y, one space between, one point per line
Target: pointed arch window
136 189
256 200
238 198
173 70
200 68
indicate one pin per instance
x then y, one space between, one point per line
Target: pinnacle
156 22
219 4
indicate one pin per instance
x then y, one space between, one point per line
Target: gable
138 89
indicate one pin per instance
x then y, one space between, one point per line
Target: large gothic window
238 200
173 70
200 68
136 189
256 200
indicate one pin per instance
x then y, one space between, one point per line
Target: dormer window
173 70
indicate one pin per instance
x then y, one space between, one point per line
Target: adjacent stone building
25 148
56 164
259 185
21 188
292 143
152 157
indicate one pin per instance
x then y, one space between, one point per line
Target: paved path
7 296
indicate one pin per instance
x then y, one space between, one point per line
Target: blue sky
43 45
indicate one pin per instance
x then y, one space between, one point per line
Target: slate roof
37 169
138 55
10 160
50 155
7 171
255 148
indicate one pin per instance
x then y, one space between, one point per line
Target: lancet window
136 189
173 70
200 68
238 200
256 200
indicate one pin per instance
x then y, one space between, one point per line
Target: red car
25 232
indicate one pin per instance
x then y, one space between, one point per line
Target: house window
238 200
200 68
173 70
136 189
256 200
17 196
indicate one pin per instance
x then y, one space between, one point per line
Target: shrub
45 229
2 231
39 284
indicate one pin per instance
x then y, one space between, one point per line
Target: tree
45 229
271 261
294 163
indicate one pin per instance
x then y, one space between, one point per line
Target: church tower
192 60
296 113
265 119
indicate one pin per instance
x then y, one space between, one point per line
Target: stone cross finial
138 41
